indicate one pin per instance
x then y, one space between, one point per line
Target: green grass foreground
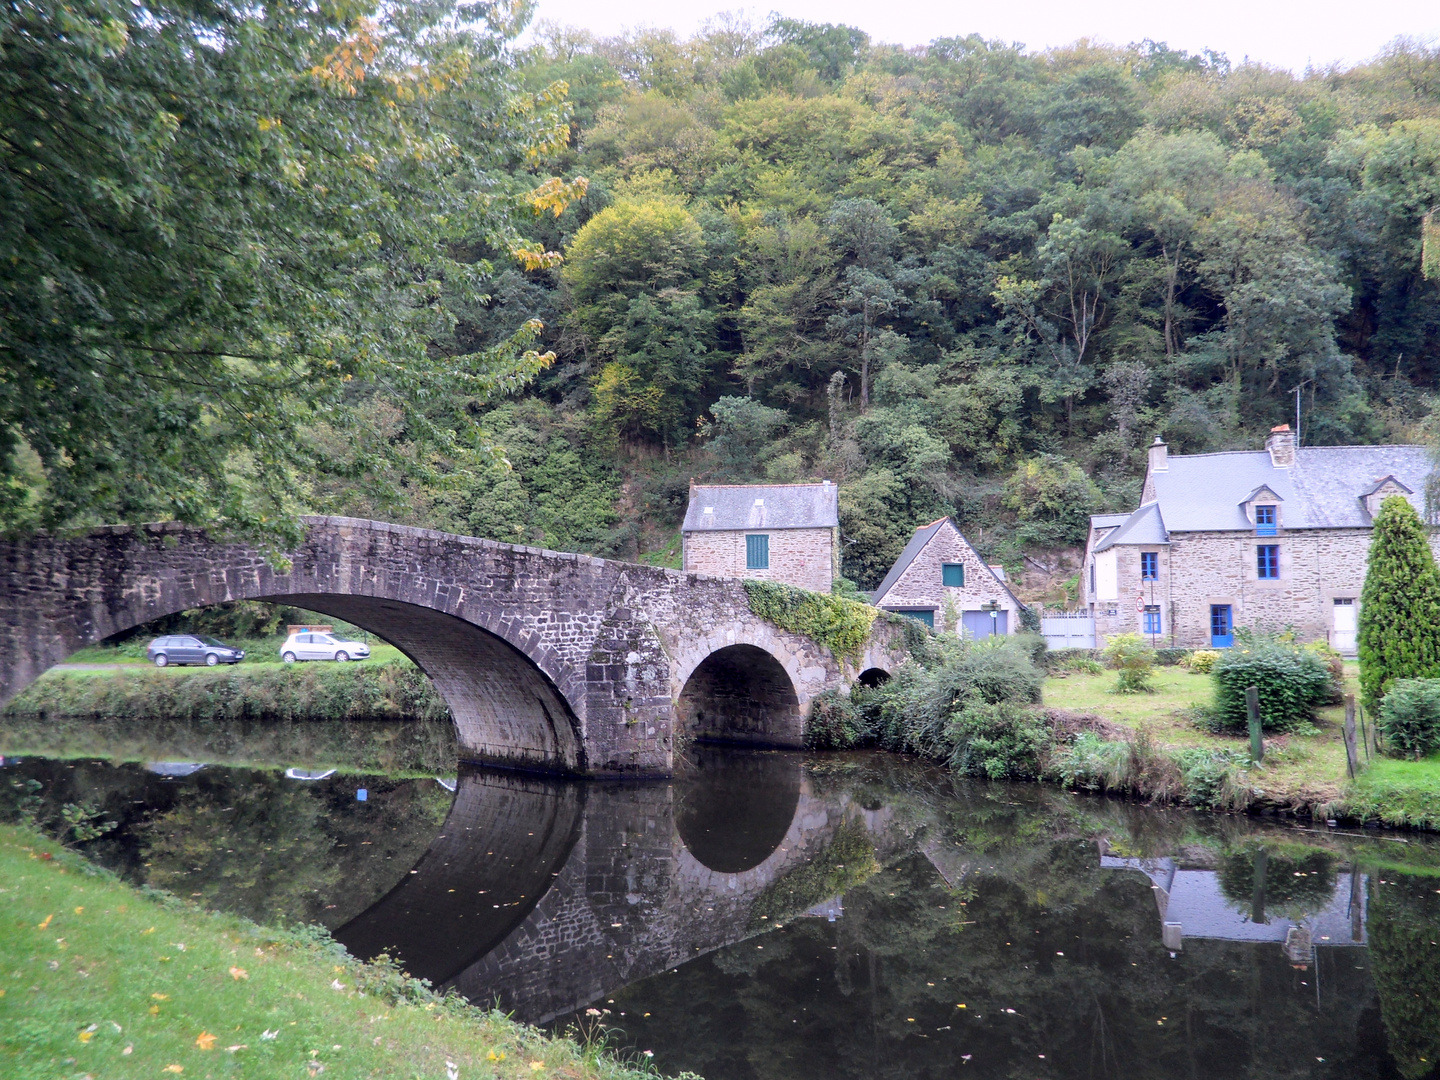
100 979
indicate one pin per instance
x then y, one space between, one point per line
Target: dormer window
1266 520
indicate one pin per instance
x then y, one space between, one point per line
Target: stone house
772 532
942 581
1268 540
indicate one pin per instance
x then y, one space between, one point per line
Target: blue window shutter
757 552
926 617
952 573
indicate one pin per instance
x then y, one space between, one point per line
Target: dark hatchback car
192 649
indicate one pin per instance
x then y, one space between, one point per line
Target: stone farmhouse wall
1196 570
805 558
921 585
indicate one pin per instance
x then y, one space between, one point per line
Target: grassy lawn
1299 769
100 979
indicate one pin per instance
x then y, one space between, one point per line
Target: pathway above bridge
547 660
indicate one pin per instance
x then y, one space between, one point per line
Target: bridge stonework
547 660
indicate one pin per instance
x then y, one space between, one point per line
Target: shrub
1410 717
1202 661
836 722
1293 682
1399 632
912 712
1000 740
1335 665
1133 660
1172 657
1084 660
1094 764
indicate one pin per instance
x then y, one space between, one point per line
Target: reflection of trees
1293 883
854 998
264 856
1404 931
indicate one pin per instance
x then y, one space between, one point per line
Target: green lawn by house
100 979
1302 771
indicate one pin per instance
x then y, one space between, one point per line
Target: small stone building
771 532
942 581
1268 540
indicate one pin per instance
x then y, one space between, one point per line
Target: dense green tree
218 220
1399 632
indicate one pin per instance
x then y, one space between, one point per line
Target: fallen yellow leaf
161 997
154 1010
205 1041
239 973
537 1065
86 1036
78 910
150 931
174 1068
46 923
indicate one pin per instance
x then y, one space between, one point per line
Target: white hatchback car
313 645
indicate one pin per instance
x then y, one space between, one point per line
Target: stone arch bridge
554 661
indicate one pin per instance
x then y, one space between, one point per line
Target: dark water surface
778 915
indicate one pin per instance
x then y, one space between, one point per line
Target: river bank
103 979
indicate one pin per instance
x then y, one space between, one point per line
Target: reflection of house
942 581
1192 905
1265 539
772 532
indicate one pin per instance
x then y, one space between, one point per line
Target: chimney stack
1159 455
1281 445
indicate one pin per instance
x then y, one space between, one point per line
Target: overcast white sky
1285 33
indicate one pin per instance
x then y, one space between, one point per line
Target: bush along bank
976 708
391 690
103 979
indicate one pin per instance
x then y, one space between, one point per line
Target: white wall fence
1068 630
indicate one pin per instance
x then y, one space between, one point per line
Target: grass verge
100 979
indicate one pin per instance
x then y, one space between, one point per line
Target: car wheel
342 656
162 660
288 657
211 659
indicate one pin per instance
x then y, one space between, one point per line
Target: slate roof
1324 489
1105 521
1144 526
762 506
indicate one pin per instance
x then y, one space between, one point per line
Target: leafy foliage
1293 682
222 222
841 625
1410 717
1134 661
1399 631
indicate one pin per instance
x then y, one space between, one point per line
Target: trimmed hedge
1293 683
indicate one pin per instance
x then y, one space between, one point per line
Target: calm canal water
778 915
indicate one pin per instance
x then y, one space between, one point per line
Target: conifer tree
1400 603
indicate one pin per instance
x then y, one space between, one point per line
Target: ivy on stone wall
841 625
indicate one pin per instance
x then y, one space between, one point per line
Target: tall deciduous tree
1399 604
217 220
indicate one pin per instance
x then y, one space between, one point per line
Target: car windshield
212 641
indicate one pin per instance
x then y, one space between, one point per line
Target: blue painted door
979 624
1222 630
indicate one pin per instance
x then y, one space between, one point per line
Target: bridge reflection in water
545 894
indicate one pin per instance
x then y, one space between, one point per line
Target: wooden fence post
1252 706
1352 755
